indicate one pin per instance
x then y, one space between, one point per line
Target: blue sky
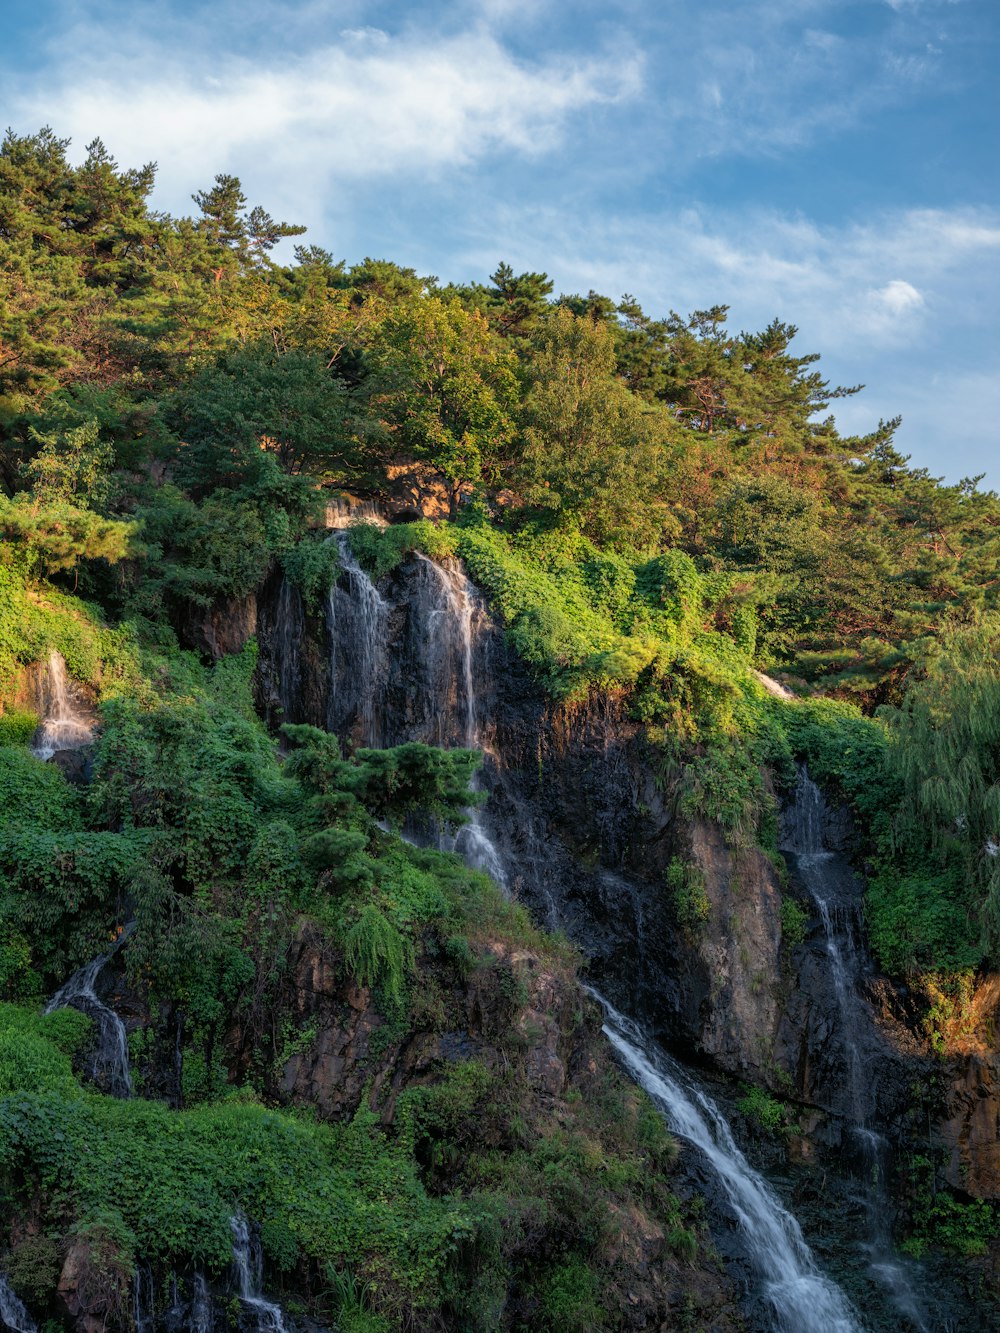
830 162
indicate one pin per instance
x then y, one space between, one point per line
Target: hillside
377 658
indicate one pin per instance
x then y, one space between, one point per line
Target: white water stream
248 1264
13 1316
453 624
824 874
804 1301
65 722
358 614
109 1066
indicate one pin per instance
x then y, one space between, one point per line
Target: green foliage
446 386
921 922
312 564
380 550
35 795
33 1267
175 1177
37 620
944 755
199 553
17 726
376 951
570 1297
764 1110
686 886
257 414
941 1221
794 921
845 752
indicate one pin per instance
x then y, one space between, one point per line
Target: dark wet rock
76 766
227 626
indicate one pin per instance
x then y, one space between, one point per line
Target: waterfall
189 1316
290 630
405 665
248 1265
836 893
143 1302
802 1298
357 617
13 1316
65 723
773 686
451 640
108 1065
440 695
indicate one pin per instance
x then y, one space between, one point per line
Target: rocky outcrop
970 1129
93 1287
342 1053
224 627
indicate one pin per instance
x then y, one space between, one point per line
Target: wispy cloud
760 77
361 104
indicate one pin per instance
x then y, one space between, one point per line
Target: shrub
794 921
17 726
569 1297
687 889
764 1110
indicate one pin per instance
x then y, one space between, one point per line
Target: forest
657 510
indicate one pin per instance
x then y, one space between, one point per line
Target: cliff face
584 830
518 1013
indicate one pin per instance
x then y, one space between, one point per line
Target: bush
687 888
569 1298
793 923
764 1110
17 726
380 550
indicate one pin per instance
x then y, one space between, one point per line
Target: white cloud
897 297
366 105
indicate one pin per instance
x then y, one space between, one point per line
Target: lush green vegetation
654 506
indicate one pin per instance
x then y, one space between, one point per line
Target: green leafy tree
592 453
446 387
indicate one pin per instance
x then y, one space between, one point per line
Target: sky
832 163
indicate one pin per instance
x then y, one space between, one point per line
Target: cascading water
13 1316
802 1298
65 722
290 627
357 616
248 1266
453 633
143 1299
108 1065
194 1313
835 891
443 612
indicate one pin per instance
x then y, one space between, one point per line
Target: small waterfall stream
444 611
248 1265
453 629
66 723
13 1316
835 892
801 1297
108 1065
357 617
